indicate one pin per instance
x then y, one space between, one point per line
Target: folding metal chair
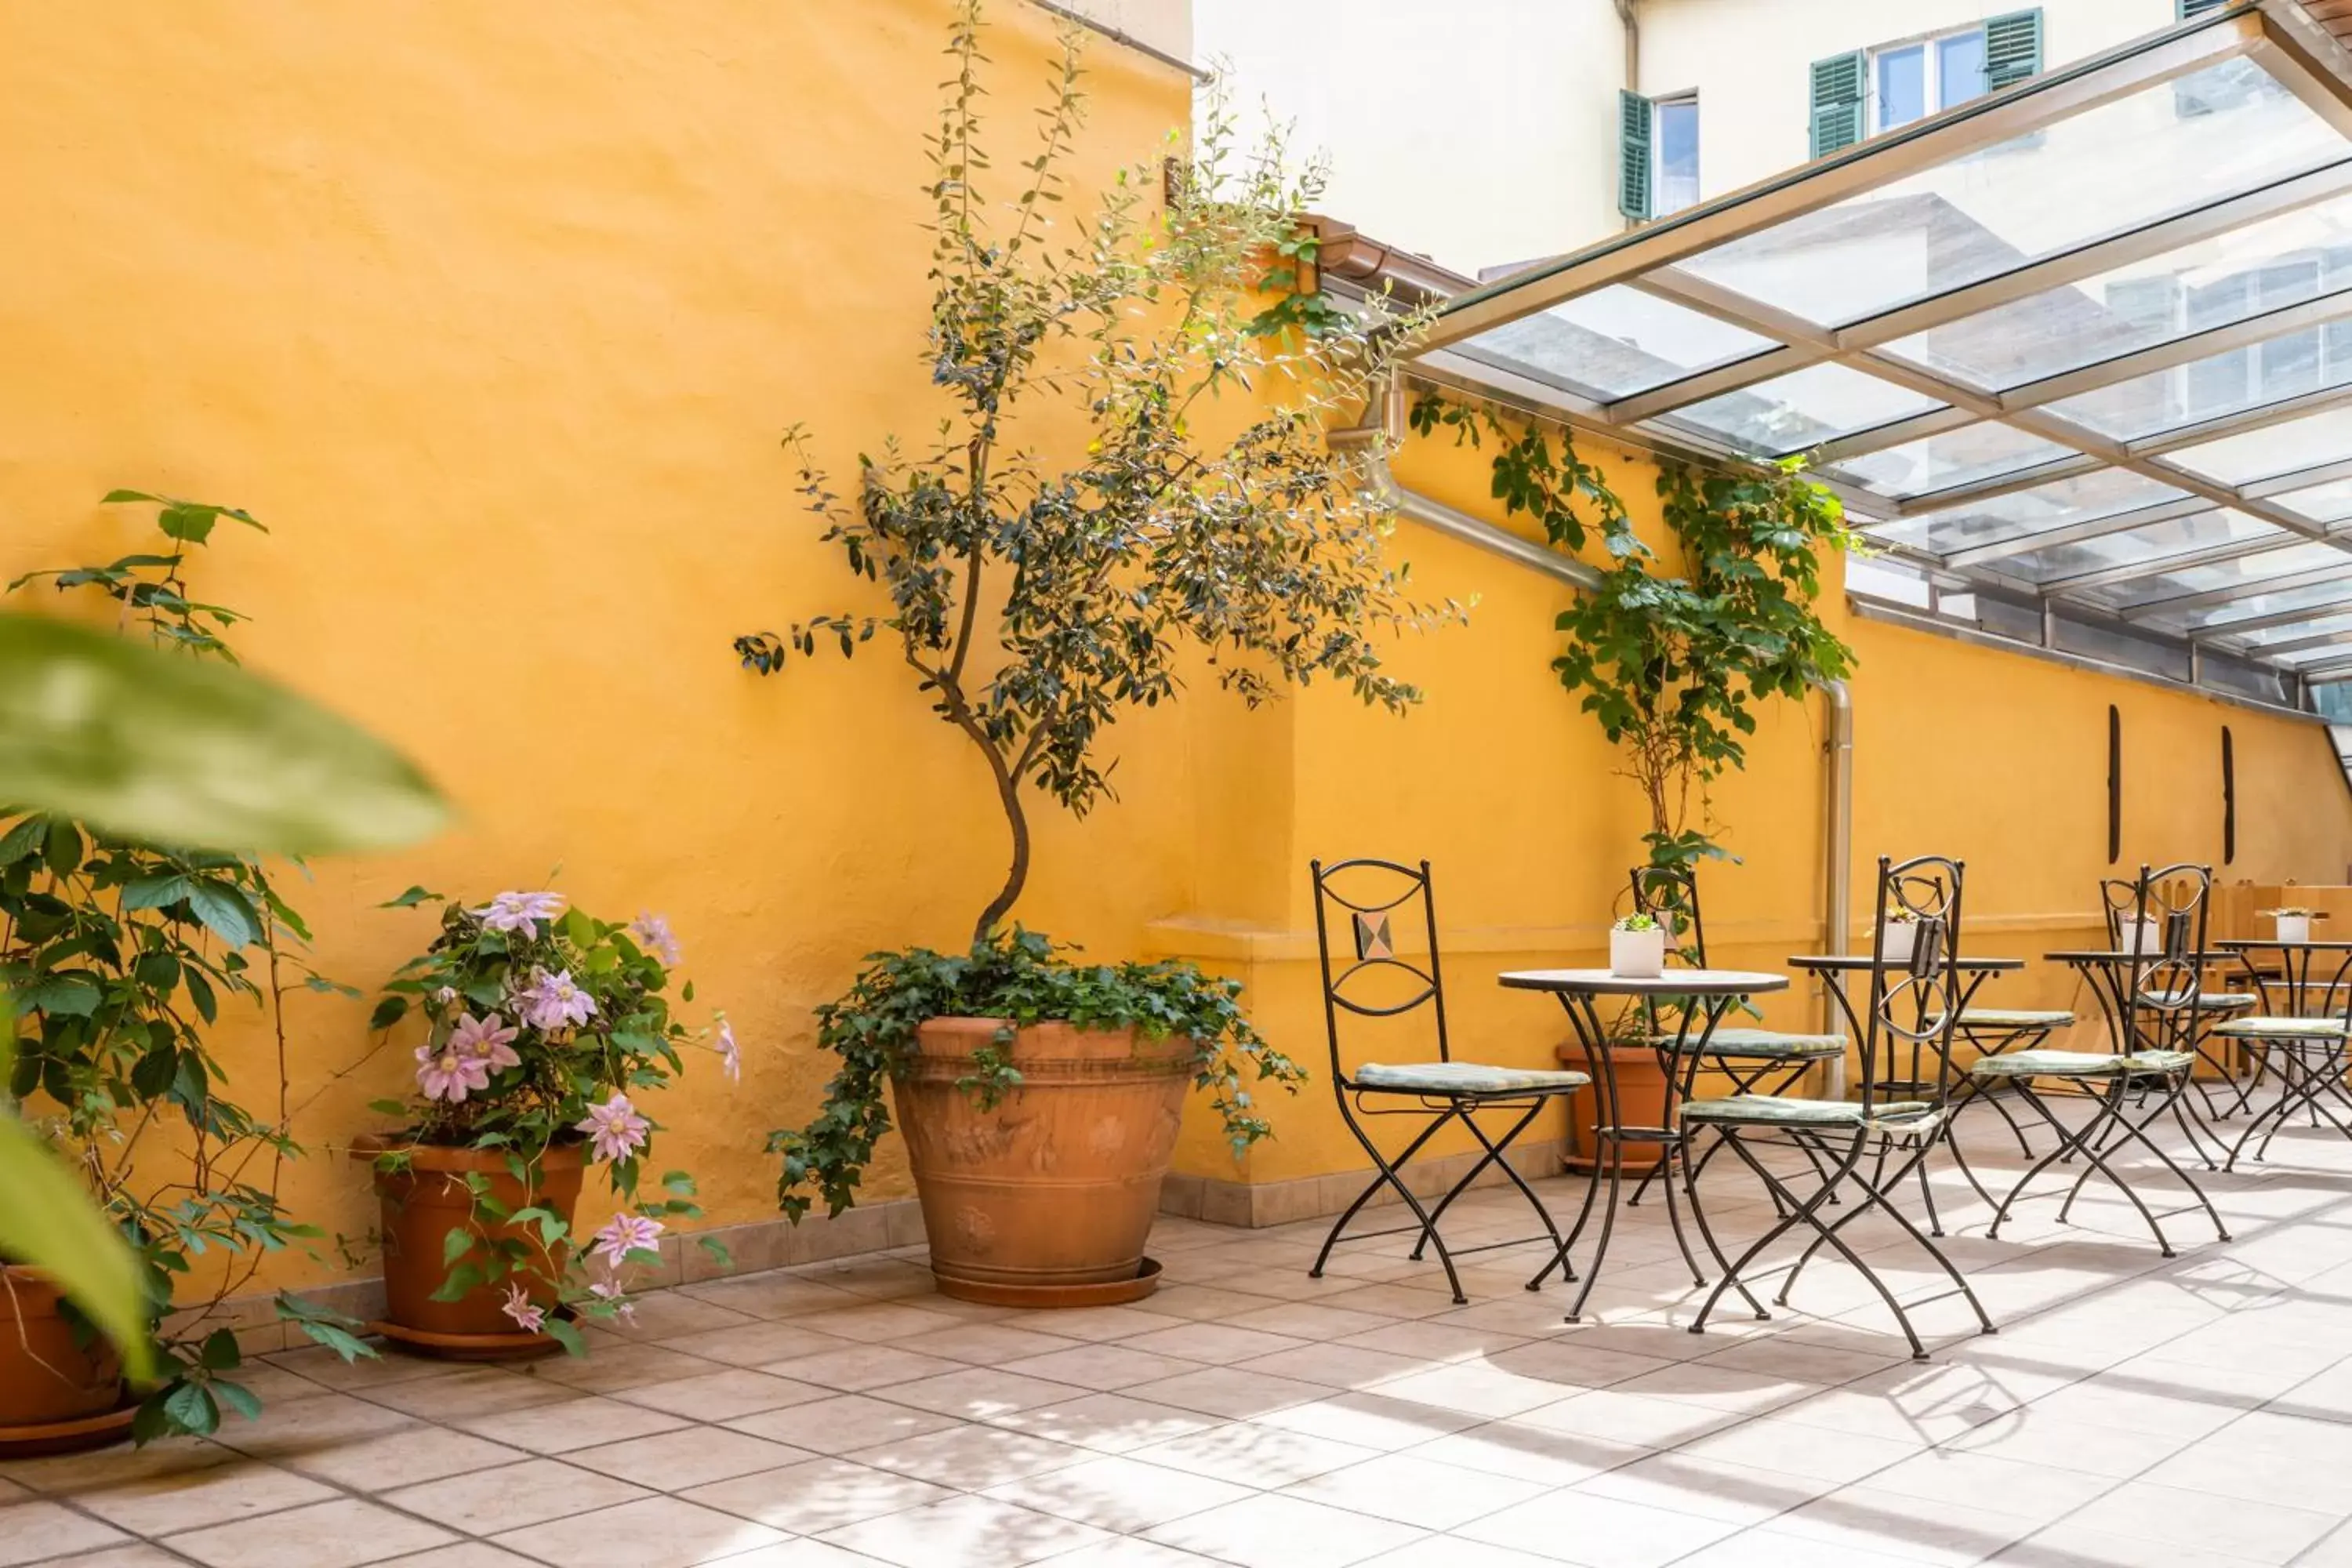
2214 1003
1376 983
1748 1057
2310 1061
1914 1009
2145 1075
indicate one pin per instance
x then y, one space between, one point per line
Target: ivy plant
1673 654
120 953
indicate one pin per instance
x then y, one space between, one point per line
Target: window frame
1658 177
1931 74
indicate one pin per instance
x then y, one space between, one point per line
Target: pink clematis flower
489 1040
555 1001
730 1056
528 1316
611 1289
653 933
624 1233
513 911
447 1073
615 1129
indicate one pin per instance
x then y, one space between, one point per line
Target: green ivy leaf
226 913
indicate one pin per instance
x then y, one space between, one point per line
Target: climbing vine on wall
1673 656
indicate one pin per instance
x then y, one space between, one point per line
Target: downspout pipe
1837 857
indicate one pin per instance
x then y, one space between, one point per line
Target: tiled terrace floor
2132 1412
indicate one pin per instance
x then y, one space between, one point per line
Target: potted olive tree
1035 602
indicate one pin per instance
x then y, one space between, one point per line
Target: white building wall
1748 60
1478 133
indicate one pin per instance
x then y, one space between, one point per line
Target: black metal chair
2157 1019
1441 1092
1912 1014
1748 1057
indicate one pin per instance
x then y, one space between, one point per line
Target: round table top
1673 982
2272 942
1864 961
2101 955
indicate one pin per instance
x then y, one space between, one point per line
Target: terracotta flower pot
421 1205
1046 1198
1641 1101
55 1396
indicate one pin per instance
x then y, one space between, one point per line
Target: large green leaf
177 751
49 1223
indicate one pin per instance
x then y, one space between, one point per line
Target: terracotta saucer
68 1436
519 1345
1109 1293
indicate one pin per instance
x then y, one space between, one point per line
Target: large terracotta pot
1045 1198
422 1204
55 1394
1640 1102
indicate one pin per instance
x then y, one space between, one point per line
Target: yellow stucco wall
494 314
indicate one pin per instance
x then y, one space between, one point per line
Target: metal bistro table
2109 972
2291 981
2289 1053
1579 992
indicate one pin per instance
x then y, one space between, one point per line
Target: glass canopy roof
2088 338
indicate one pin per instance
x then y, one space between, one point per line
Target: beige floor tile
1599 1532
1370 1420
1197 1303
1334 1366
1409 1490
1531 1453
652 1533
690 1457
615 1367
986 1344
755 1344
804 1555
1229 1392
191 1498
1283 1532
1627 1418
2068 1545
878 1321
1682 1482
32 1530
508 1497
1410 1299
724 1394
1453 1551
1436 1342
1815 1451
817 1495
1718 1387
1095 1325
138 1555
1119 1494
772 1295
465 1554
324 1535
2203 1521
320 1366
1105 1368
113 1467
1214 1343
1865 1519
841 1423
971 1530
572 1424
1311 1321
1107 1423
855 1368
978 1393
400 1457
475 1391
889 1277
1254 1456
286 1432
2044 1492
972 1459
1132 1552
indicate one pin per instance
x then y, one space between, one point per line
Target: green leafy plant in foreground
1021 978
120 953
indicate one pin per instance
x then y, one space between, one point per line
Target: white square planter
2293 927
2141 939
1900 936
1637 954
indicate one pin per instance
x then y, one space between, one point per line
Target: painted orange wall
494 315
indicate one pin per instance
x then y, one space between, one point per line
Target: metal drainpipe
1837 856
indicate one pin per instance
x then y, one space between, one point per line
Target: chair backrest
1669 895
2119 901
1914 1004
1376 902
2167 984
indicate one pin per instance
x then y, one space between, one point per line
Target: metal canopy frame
2173 574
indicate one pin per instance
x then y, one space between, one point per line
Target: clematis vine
528 1314
605 1287
444 1072
615 1129
652 932
626 1233
730 1057
554 1001
512 912
491 1039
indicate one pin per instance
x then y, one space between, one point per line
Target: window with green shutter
1838 84
2013 48
2188 9
1634 155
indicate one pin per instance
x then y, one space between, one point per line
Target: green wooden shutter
2013 48
2199 8
1634 155
1838 83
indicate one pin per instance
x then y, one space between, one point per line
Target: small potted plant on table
545 1031
1637 948
2292 922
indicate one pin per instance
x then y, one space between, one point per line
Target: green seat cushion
1782 1111
1765 1044
2271 1028
2078 1064
1466 1078
2207 1001
2015 1018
